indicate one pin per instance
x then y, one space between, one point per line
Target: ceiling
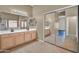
39 9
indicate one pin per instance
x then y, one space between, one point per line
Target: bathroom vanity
13 39
16 30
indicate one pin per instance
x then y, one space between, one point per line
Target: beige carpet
39 47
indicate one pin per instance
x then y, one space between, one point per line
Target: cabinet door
19 38
7 42
33 35
28 36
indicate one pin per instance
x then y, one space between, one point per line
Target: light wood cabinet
28 36
11 40
19 38
33 34
7 42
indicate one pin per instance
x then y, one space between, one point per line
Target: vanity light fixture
18 12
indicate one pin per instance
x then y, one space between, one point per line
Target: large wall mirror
12 24
49 27
11 21
23 24
3 23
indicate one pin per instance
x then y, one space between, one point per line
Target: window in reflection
12 24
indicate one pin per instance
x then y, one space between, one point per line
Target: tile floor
39 47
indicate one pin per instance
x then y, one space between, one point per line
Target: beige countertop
18 30
15 31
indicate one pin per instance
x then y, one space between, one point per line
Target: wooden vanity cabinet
28 37
14 39
19 38
34 35
11 40
7 41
